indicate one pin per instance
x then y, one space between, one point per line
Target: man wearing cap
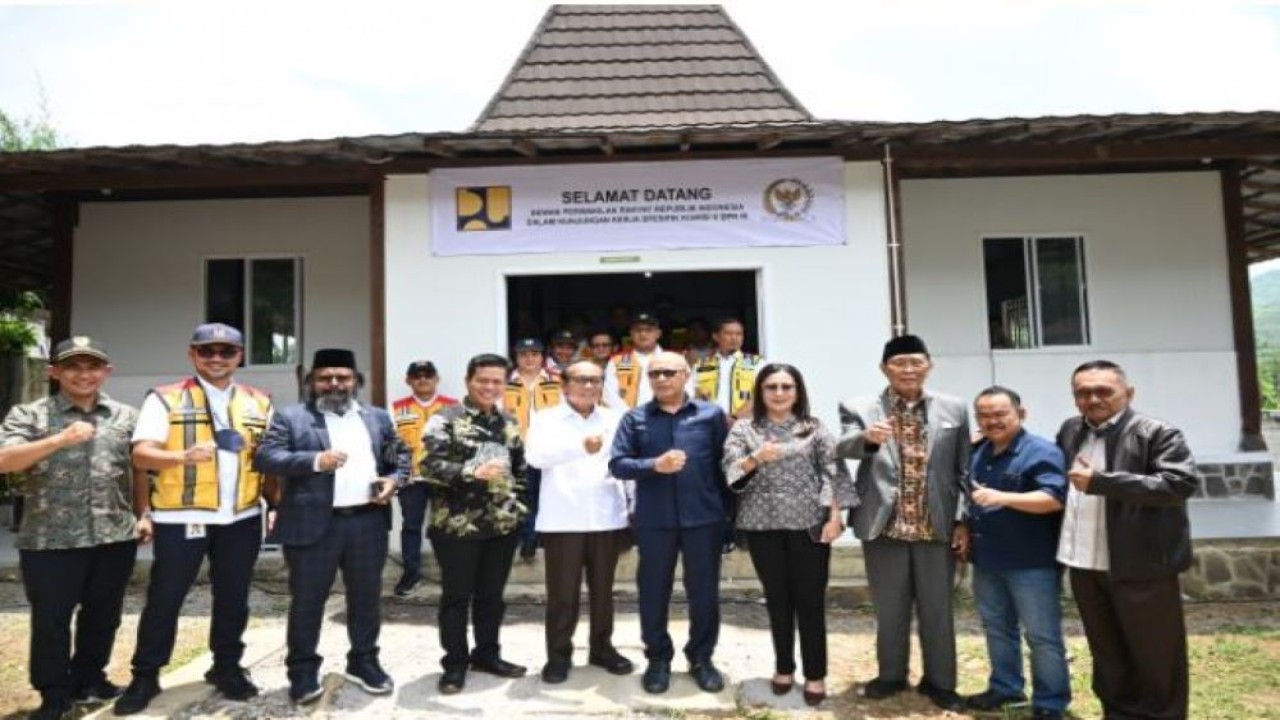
564 351
476 467
76 545
727 375
913 451
600 347
626 378
411 414
197 437
530 388
339 463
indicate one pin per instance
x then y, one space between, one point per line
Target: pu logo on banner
484 208
788 198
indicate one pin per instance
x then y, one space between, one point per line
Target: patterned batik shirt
457 440
80 496
910 520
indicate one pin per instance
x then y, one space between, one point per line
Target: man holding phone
201 498
339 463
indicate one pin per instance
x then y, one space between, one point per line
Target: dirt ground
1227 639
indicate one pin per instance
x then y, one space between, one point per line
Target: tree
29 133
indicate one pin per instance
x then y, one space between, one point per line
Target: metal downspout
897 295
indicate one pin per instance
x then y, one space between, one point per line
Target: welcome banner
638 206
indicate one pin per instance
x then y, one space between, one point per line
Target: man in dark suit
913 451
339 463
1125 537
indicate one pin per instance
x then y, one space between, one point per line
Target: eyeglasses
1102 393
226 352
586 380
664 373
778 387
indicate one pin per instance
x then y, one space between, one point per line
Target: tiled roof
631 67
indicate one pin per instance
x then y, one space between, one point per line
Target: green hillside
1265 290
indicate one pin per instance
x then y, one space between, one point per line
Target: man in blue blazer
339 463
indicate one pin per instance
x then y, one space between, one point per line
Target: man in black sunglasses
201 498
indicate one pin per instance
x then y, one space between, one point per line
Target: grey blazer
947 435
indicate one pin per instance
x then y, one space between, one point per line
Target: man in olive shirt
76 545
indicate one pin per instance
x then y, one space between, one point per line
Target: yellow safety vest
517 402
195 487
411 419
627 369
707 379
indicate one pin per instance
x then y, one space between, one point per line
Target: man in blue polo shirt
1019 482
671 447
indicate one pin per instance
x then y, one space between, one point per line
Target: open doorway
538 305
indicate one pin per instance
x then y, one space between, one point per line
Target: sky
185 72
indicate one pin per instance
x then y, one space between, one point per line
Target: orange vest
411 419
520 403
627 369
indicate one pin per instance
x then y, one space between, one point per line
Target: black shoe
137 696
707 676
370 676
305 690
613 663
879 689
991 701
941 699
555 671
1046 714
233 682
499 667
100 690
657 677
406 585
51 708
528 548
452 682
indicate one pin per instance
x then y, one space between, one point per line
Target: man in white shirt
582 518
339 463
200 499
626 378
727 376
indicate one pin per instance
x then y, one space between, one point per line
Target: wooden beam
189 178
525 148
436 147
769 142
1254 238
1241 311
1260 185
378 291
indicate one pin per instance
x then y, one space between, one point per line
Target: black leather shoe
499 667
991 701
305 690
555 671
657 677
879 689
941 699
406 585
707 677
137 696
370 676
100 690
452 682
528 548
613 663
233 682
51 708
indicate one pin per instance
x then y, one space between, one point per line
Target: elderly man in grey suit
913 451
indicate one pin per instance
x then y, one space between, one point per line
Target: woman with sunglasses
791 494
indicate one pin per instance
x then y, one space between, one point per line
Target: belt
352 510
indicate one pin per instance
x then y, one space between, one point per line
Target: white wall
825 309
1156 269
139 279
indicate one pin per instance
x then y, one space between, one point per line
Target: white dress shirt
353 480
1083 541
153 424
578 494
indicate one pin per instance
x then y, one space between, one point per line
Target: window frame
246 300
1031 279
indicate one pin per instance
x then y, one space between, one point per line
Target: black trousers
473 576
793 570
568 555
413 510
357 545
232 551
56 583
699 549
1138 639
